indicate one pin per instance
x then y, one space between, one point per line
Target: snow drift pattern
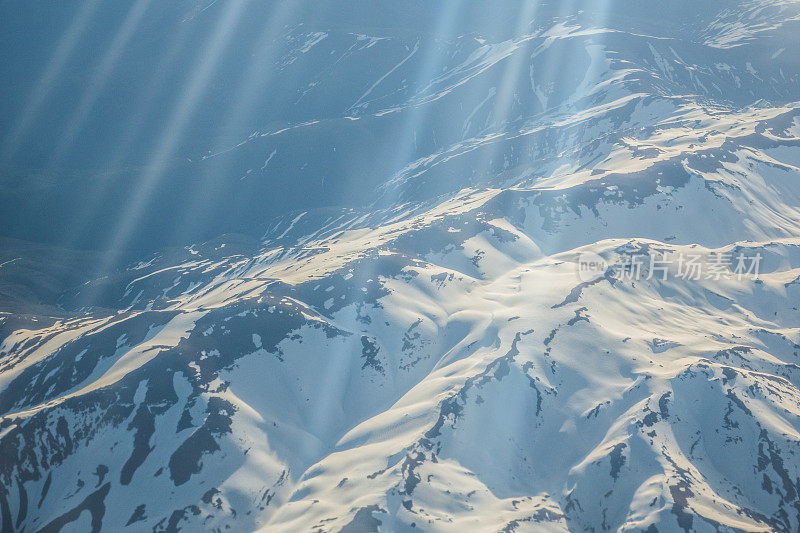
434 362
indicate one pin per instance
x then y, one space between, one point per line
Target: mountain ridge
431 355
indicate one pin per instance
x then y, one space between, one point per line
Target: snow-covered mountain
412 342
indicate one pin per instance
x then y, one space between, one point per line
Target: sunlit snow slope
433 361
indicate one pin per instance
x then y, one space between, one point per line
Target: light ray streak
98 81
132 129
259 74
509 83
171 134
429 68
47 81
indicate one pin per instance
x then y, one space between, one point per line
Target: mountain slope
437 360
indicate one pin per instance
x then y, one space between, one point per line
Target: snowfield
434 361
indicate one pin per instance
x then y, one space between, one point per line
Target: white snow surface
435 363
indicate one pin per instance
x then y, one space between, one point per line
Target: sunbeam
399 265
416 112
97 82
142 108
175 125
255 81
515 65
48 80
